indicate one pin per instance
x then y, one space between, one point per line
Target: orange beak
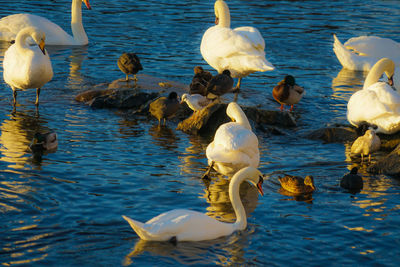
41 46
87 4
259 186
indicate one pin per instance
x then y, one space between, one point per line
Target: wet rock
207 120
389 165
334 134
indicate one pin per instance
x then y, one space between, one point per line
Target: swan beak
41 46
390 81
259 186
87 4
216 20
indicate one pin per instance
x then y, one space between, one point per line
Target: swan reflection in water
346 83
225 250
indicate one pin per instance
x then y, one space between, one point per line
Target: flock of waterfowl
234 152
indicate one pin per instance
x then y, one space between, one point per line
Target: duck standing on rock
297 185
366 144
200 81
165 107
129 63
287 92
220 84
352 181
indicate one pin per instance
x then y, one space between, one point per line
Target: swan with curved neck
234 146
378 103
189 225
11 25
27 66
239 50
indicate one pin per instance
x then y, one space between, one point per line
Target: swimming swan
55 35
239 50
235 145
189 225
377 103
361 53
25 66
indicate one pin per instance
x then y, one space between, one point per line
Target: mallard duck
240 50
366 144
165 107
44 142
220 84
298 185
352 181
287 92
195 102
11 25
188 225
129 63
200 81
27 67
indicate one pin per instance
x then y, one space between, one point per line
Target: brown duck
129 63
220 84
298 185
287 92
200 81
165 107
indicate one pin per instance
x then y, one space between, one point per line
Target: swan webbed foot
173 240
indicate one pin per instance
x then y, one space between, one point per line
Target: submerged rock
389 165
334 134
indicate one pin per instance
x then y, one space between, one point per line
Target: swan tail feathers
138 227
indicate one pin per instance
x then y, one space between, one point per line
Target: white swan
235 145
361 53
11 25
377 103
27 66
189 225
240 50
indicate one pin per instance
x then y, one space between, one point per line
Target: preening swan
361 53
240 50
189 225
55 35
235 145
377 103
25 66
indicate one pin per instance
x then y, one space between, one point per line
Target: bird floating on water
352 181
188 225
165 107
297 185
44 142
366 145
129 63
287 92
12 24
25 66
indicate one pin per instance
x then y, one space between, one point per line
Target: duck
361 53
165 107
287 92
366 144
352 181
199 81
220 84
195 102
129 63
188 225
12 24
297 185
44 142
378 103
25 66
234 146
240 50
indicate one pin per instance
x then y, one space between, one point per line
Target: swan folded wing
386 95
252 37
233 136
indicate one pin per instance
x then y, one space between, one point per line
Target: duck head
309 180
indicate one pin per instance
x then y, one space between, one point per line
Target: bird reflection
298 197
16 134
130 128
346 83
163 136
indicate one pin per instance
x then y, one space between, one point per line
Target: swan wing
386 95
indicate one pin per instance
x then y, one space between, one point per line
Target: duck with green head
287 92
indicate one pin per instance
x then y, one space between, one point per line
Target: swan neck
234 186
21 43
223 14
241 118
78 31
382 66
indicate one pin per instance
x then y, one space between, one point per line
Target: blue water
66 209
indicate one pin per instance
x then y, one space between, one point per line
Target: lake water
66 209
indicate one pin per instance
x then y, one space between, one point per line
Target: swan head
309 180
39 37
251 175
222 15
87 4
384 65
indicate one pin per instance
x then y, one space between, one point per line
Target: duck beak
259 186
41 46
390 81
87 4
